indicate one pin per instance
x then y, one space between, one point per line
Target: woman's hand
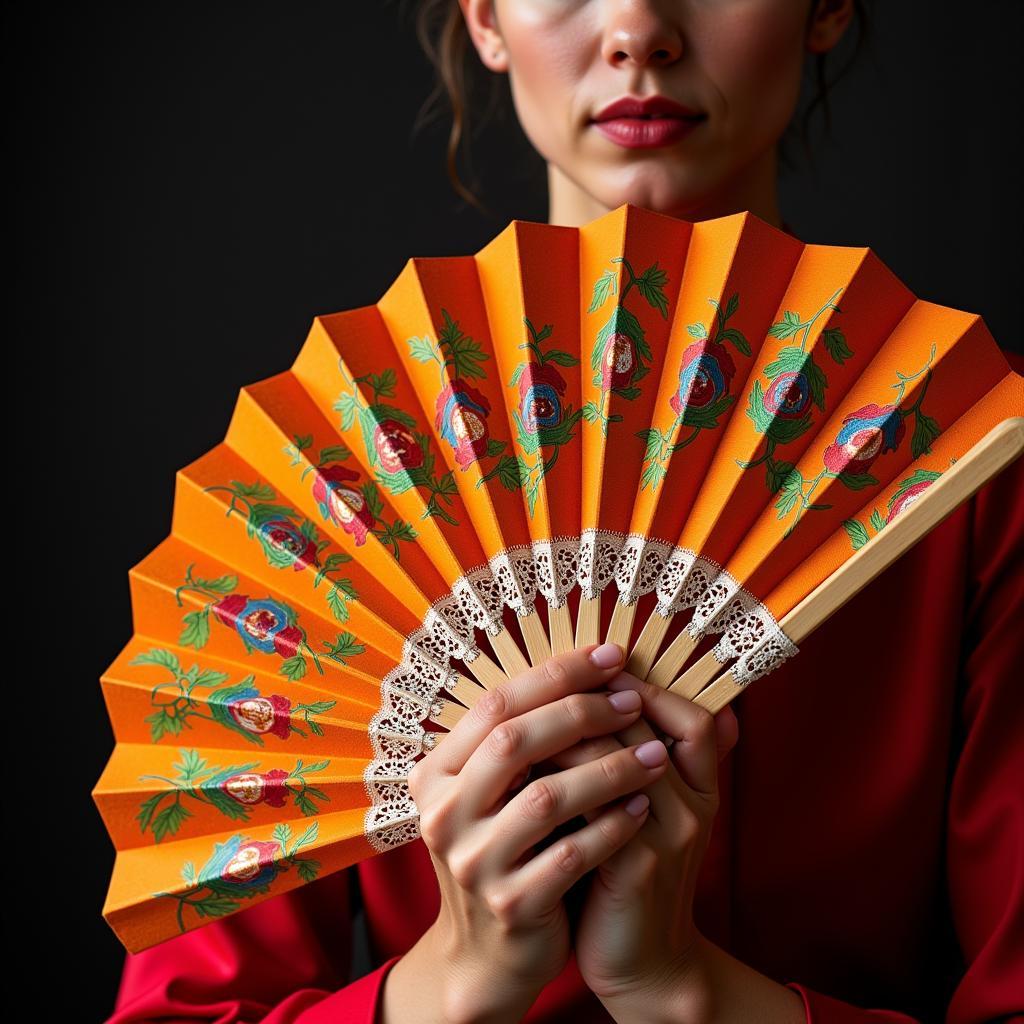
502 932
637 945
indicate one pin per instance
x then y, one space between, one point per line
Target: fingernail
628 700
606 656
651 754
638 804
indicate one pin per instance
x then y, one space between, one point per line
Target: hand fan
737 429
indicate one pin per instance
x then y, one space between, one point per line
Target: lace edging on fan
514 578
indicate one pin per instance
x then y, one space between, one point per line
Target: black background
197 181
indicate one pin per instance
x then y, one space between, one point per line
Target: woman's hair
442 32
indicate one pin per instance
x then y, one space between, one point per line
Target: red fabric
869 850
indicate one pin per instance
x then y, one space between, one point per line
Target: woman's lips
647 133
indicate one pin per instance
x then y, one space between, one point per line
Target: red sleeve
985 811
283 961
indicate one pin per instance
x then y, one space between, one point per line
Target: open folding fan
736 429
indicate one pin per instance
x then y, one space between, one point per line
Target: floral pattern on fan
461 411
267 625
706 370
866 434
231 791
240 869
399 454
908 491
781 407
239 707
541 418
286 543
357 510
621 357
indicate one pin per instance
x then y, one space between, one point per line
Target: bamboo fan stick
621 624
560 628
487 674
993 453
588 621
676 654
641 658
512 659
537 644
694 679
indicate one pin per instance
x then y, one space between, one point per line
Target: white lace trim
591 561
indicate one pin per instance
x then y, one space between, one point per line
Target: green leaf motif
857 481
559 357
347 406
756 409
737 337
651 285
607 284
785 431
197 630
422 350
511 472
461 350
836 345
787 499
857 534
788 360
777 473
158 656
926 430
786 327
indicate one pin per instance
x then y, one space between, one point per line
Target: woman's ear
827 24
484 30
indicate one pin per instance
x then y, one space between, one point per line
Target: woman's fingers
553 799
696 751
546 877
515 744
585 668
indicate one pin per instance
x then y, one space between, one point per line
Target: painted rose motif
242 864
618 362
262 623
705 372
262 714
282 535
907 498
252 787
396 447
540 396
345 506
462 421
866 434
788 396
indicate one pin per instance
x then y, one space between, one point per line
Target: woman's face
736 63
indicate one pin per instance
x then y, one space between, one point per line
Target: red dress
868 852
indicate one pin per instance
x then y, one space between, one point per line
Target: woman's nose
641 32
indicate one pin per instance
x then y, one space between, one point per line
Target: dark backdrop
197 181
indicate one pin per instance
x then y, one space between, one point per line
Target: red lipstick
640 123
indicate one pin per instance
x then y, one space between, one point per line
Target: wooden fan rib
1001 446
873 303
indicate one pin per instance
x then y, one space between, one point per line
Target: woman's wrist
711 987
674 994
435 982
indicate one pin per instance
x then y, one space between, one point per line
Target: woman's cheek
751 53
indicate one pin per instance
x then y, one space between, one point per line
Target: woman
858 856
